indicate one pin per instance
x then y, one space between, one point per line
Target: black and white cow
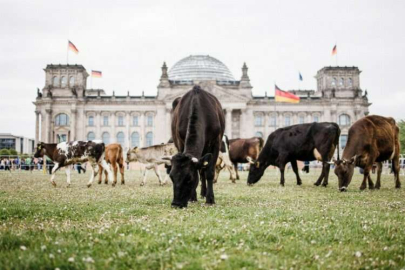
68 153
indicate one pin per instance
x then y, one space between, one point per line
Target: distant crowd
30 164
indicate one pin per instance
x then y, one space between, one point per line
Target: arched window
106 138
344 120
342 81
71 81
91 120
55 81
273 120
63 81
91 136
259 134
301 119
62 120
343 141
316 118
121 121
258 120
149 139
135 121
287 120
135 139
333 82
350 83
149 120
121 138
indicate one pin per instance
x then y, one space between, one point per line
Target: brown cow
244 151
371 139
113 156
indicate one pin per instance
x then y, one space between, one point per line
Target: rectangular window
301 119
135 121
120 121
273 121
105 121
149 121
287 121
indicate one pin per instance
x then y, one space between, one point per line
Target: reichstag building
66 110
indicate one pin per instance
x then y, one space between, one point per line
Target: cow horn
249 159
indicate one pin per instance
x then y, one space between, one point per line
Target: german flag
72 47
96 74
284 96
334 50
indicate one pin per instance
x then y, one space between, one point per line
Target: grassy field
264 226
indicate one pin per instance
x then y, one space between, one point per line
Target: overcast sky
129 40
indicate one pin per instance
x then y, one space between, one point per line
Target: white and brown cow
151 157
68 153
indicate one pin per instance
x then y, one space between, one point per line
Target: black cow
197 129
67 153
305 142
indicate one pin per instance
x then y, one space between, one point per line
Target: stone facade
66 110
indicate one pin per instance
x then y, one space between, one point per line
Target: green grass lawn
264 226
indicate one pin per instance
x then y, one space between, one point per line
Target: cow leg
122 169
55 168
235 165
107 168
379 171
94 171
203 185
326 169
319 181
67 171
370 182
395 168
156 169
100 176
115 170
295 169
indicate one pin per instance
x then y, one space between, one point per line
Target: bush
4 152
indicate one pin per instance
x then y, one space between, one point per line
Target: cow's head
131 155
344 170
41 151
256 172
184 175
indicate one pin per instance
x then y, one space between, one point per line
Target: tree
401 126
4 152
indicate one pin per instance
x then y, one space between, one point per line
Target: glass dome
200 68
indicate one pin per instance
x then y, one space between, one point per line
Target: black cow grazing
67 153
305 142
197 129
371 139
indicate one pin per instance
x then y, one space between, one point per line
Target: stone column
73 125
168 123
48 126
127 121
98 125
266 125
113 138
142 135
228 123
243 125
36 127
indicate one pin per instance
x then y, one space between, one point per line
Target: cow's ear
205 160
